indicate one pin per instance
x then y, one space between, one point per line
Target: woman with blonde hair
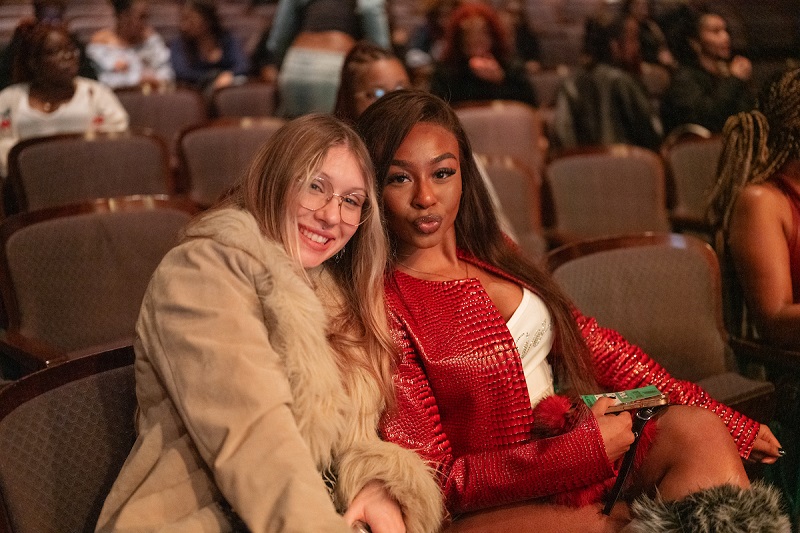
755 207
263 360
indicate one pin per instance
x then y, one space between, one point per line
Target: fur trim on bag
723 509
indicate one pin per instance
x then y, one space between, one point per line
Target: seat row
581 193
81 412
591 191
60 169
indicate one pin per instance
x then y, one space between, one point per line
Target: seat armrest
761 352
30 354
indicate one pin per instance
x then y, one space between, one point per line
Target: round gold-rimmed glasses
319 192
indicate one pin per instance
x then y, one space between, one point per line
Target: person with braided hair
755 207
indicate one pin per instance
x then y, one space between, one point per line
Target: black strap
642 417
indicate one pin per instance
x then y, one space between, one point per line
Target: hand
740 67
615 429
224 79
120 65
377 508
487 68
269 73
766 448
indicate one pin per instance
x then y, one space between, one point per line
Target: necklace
434 274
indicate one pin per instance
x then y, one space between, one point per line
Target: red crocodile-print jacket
463 405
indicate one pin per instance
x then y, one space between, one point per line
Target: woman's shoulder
15 91
761 201
760 195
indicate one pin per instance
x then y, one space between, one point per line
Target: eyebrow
437 159
357 190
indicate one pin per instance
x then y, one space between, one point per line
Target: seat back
505 128
214 155
692 166
252 99
62 169
518 190
599 191
64 434
165 113
660 291
74 277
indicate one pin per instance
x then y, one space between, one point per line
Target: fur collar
297 325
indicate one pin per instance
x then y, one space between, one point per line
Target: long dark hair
356 63
30 37
207 9
383 127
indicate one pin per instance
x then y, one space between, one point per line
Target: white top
93 107
121 66
532 330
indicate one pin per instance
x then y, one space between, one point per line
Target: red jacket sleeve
484 476
621 365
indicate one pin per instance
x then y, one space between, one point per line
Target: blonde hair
270 189
756 144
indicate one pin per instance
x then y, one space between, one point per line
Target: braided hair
757 144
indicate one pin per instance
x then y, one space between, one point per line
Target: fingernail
781 452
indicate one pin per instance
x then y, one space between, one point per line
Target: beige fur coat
241 402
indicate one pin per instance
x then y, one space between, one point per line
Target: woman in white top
133 53
49 97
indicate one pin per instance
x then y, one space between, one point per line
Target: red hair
501 44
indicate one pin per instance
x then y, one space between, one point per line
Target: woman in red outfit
493 355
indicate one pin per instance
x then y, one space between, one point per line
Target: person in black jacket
711 82
605 102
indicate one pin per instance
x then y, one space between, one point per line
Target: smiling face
381 77
57 62
322 233
422 190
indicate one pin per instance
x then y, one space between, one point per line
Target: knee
690 426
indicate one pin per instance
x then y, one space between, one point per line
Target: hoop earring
338 256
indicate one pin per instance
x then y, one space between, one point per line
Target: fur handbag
722 509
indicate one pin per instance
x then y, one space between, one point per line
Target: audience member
426 42
524 42
653 42
368 73
756 207
493 355
710 83
478 62
605 102
307 45
132 53
50 97
50 11
205 55
263 360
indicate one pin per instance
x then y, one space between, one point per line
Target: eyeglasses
379 92
319 192
62 53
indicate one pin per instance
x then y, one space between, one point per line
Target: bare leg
535 517
693 450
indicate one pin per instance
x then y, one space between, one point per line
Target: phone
631 399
